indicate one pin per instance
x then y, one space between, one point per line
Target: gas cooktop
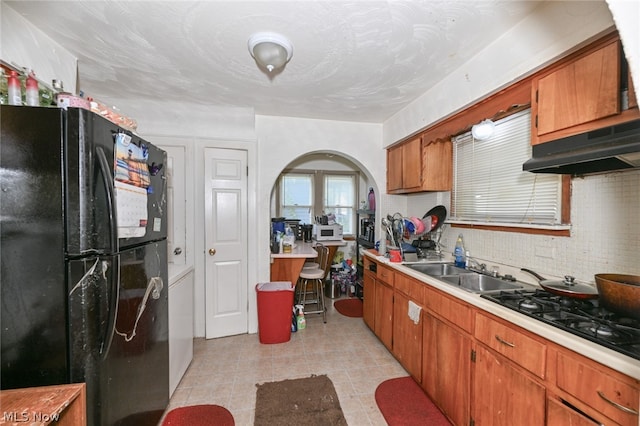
581 317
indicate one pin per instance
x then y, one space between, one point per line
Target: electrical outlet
545 252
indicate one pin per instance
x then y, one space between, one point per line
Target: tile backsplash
605 232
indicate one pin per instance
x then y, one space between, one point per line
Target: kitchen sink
437 269
478 283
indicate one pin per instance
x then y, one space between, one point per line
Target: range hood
607 149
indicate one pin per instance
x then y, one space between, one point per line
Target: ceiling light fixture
270 50
483 130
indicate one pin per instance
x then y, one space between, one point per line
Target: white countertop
594 351
306 249
300 249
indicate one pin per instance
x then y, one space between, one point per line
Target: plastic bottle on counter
32 96
458 253
372 199
13 89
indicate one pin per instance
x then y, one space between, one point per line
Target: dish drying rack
403 234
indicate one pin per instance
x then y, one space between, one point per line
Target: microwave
327 232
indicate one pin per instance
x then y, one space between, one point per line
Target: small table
287 266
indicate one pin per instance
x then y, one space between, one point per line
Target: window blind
490 185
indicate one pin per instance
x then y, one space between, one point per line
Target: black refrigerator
84 262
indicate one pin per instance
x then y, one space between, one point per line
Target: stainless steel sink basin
437 269
478 283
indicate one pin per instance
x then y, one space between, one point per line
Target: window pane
296 189
490 185
339 199
297 196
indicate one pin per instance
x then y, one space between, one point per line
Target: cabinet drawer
599 388
385 274
411 287
450 309
513 344
559 414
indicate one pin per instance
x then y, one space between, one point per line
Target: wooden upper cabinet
437 165
581 93
404 169
394 168
415 166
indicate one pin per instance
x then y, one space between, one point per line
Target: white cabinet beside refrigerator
180 326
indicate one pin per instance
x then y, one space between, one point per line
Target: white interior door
226 242
176 202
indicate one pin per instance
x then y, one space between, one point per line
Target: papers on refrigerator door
130 165
131 202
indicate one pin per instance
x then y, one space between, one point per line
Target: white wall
626 15
23 45
552 30
283 139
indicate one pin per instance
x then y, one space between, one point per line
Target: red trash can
275 310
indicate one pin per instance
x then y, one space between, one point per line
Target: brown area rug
349 307
311 401
403 403
199 415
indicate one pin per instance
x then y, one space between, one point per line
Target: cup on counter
395 256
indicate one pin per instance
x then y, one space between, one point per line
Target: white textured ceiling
352 60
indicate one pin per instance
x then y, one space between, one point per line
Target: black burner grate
583 318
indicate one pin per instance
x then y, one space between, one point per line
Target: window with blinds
489 185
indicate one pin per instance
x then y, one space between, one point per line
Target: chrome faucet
475 266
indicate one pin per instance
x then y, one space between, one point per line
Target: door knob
212 252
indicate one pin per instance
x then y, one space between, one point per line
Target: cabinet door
446 368
582 91
368 298
437 166
383 321
180 329
407 337
394 168
561 415
412 164
503 395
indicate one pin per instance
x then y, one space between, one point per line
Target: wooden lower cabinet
482 370
446 368
503 395
407 337
383 315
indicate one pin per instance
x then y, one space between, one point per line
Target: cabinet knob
177 251
212 252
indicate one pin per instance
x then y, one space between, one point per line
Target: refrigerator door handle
107 178
113 296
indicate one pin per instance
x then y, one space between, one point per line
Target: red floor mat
403 403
